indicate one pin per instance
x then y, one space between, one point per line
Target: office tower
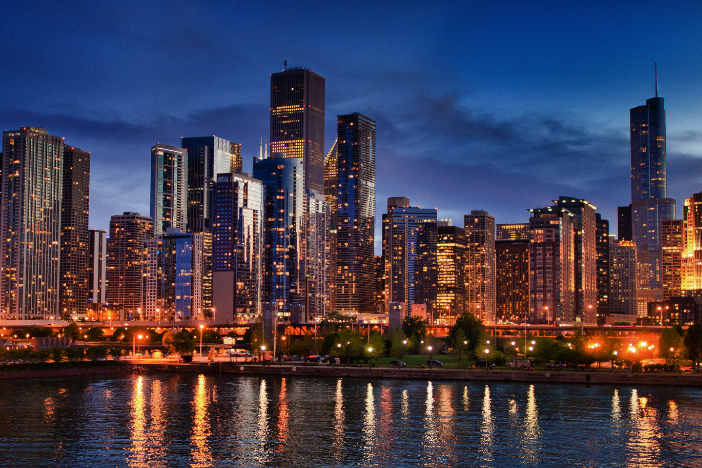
480 265
30 228
624 222
237 247
691 281
207 157
585 249
673 246
355 214
97 267
380 285
172 276
623 278
552 265
602 263
451 275
316 238
512 280
409 248
649 202
283 268
169 188
124 260
331 188
297 121
512 232
73 293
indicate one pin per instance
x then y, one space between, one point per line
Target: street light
431 355
487 351
201 327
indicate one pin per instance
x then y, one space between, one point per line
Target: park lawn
449 361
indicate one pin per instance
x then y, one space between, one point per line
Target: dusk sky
501 106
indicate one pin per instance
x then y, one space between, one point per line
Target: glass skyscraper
297 121
480 265
169 188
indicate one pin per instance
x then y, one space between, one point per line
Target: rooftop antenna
655 67
260 150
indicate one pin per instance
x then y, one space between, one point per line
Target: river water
182 420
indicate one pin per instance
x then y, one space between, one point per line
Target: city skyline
515 95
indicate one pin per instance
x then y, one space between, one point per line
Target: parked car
238 352
522 363
331 360
555 365
313 359
397 363
435 364
481 363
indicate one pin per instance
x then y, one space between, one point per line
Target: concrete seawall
585 377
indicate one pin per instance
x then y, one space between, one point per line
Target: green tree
75 354
211 336
183 343
57 354
460 345
72 331
670 342
399 346
375 348
472 328
415 329
348 345
95 334
302 346
693 342
167 341
119 334
116 353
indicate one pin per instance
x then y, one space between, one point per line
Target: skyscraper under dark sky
297 121
649 191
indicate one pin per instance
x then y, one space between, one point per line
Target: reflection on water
184 420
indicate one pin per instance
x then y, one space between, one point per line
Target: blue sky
501 106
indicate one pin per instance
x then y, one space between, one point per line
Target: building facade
32 177
97 268
451 274
169 188
512 281
480 265
602 240
331 194
316 249
672 248
297 121
355 214
623 278
512 232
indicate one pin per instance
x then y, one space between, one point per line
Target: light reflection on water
189 420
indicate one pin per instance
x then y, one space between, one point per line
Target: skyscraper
512 280
316 250
673 246
602 264
649 191
97 267
30 227
451 276
283 268
74 230
691 277
331 188
355 214
237 244
125 260
480 265
623 278
624 222
297 121
169 188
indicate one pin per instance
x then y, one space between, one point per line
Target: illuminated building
624 222
602 263
512 280
316 249
649 202
355 214
283 268
169 188
207 157
331 188
297 121
512 232
172 276
551 265
623 278
124 260
237 247
409 248
380 284
97 267
73 293
585 250
451 275
673 246
480 265
32 166
691 281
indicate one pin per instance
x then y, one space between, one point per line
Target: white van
238 352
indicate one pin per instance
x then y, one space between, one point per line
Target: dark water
190 420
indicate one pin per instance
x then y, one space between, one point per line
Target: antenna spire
655 67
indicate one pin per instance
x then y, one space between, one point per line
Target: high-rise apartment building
207 157
355 214
451 274
551 265
649 192
512 232
585 250
316 249
409 248
691 275
624 222
237 244
331 195
512 280
97 267
283 271
380 285
673 246
602 263
169 188
480 265
73 293
30 228
125 260
623 278
297 121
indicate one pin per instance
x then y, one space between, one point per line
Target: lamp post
201 327
263 350
431 355
370 357
487 352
